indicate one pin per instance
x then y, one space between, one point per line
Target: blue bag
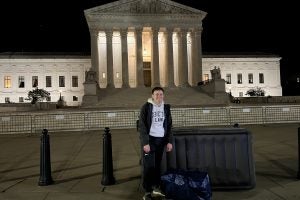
181 185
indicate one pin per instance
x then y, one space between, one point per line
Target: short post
236 125
45 165
298 174
107 170
137 125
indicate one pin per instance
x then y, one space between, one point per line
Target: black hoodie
145 120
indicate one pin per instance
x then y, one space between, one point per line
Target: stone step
135 97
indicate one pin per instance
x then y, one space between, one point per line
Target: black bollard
298 174
45 165
137 125
107 170
236 125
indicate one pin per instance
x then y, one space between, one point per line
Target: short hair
157 88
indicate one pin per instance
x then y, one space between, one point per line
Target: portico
145 43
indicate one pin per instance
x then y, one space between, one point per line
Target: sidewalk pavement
76 162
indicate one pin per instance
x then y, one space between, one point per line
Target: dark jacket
145 121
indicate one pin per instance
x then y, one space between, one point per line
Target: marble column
94 52
139 57
124 45
109 52
195 60
155 79
182 59
185 79
169 57
198 33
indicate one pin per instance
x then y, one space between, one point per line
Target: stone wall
267 100
23 107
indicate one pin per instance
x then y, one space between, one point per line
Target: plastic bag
182 185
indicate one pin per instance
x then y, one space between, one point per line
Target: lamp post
60 99
60 102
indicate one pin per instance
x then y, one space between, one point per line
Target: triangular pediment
158 7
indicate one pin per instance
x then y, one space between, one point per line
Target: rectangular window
75 98
74 81
261 78
7 81
21 81
35 81
21 99
7 100
228 78
61 81
206 78
240 94
250 78
48 81
147 65
48 98
239 79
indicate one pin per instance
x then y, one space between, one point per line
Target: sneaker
157 193
147 196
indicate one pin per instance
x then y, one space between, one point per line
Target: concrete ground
76 161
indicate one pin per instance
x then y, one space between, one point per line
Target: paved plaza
76 161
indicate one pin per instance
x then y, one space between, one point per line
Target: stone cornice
241 59
143 17
126 21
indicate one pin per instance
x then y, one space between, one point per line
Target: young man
155 123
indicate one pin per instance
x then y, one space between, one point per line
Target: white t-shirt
158 117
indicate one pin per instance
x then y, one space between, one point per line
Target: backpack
181 185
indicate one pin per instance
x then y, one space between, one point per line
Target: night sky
230 26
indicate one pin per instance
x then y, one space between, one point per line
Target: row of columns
196 54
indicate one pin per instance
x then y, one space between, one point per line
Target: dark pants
152 162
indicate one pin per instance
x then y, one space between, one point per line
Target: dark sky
230 26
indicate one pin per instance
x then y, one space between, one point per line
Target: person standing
155 124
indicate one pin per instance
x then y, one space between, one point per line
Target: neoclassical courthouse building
136 43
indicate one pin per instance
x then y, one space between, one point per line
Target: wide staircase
129 98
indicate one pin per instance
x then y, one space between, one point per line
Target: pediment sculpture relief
145 7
